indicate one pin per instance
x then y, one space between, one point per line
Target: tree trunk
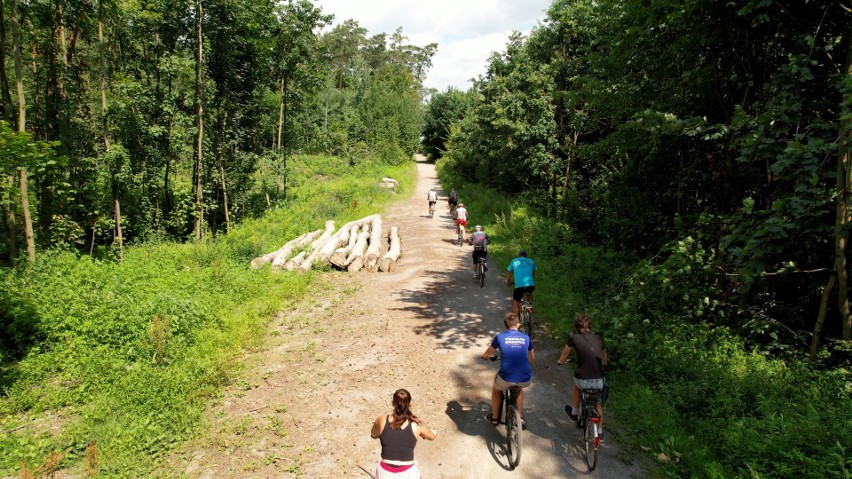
12 222
224 196
317 245
823 308
377 245
281 254
341 238
280 118
28 222
296 261
571 153
116 188
54 91
19 71
6 107
199 113
338 258
844 182
118 235
390 258
355 261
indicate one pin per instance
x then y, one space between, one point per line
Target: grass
114 363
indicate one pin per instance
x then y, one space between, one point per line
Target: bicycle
589 421
460 230
431 210
526 315
480 270
509 411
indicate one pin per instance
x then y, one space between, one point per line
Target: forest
130 122
680 169
683 170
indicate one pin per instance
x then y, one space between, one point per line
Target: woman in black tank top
398 433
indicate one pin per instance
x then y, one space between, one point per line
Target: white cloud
466 31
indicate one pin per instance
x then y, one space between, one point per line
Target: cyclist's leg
497 395
575 399
517 295
473 264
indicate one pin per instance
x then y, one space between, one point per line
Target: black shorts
479 253
453 202
520 292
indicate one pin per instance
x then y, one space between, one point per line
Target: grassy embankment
128 355
686 393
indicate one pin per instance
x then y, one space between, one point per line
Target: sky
466 31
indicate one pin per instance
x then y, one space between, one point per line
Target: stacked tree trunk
356 245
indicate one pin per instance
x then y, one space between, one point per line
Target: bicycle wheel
513 435
528 321
590 440
481 275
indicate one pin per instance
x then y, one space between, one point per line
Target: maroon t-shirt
589 348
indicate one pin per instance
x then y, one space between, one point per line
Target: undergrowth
686 390
117 361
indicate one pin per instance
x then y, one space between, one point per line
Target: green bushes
128 354
686 388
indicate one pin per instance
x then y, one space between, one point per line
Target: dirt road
305 402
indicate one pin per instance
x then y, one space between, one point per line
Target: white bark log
355 261
376 247
296 261
388 262
338 258
316 246
285 250
341 238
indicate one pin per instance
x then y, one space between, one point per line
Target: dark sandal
494 422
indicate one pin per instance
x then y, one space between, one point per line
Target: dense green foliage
272 80
693 395
442 112
128 354
674 167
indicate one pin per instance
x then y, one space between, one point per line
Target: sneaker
476 276
570 414
600 436
485 266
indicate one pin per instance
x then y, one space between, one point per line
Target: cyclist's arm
531 356
488 353
564 356
509 277
603 357
378 425
425 431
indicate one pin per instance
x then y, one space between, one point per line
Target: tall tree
199 113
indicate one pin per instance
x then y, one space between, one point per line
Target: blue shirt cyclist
516 359
522 270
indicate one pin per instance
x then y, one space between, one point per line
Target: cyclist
591 359
461 217
398 433
516 359
453 199
522 271
432 197
479 239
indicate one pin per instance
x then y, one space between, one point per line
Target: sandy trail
304 404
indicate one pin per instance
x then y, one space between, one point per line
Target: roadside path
305 403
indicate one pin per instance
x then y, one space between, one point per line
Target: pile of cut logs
355 245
